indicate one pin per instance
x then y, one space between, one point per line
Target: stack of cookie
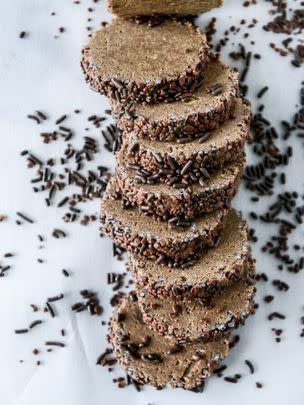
184 129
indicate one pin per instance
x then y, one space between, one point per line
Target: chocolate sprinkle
276 315
21 331
35 323
50 308
25 217
250 366
56 298
52 343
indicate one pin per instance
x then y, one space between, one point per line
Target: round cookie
158 241
149 358
177 201
203 110
134 8
127 61
173 162
216 268
200 320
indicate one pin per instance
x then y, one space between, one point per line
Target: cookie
178 201
127 61
216 268
134 8
200 320
164 242
149 358
203 110
173 162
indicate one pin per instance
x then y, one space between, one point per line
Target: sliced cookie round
200 320
173 162
218 267
178 201
158 240
134 8
149 358
127 61
203 110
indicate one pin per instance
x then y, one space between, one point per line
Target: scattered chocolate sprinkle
268 298
250 366
58 233
35 323
55 298
34 307
34 118
63 202
280 285
25 217
60 119
262 92
90 303
8 254
115 278
231 379
50 309
52 343
41 115
21 331
91 185
276 315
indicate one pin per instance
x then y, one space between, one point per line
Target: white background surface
41 72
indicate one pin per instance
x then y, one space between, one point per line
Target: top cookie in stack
135 8
184 129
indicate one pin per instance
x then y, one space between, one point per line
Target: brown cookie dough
200 320
134 8
177 202
128 61
151 359
171 162
160 241
207 107
218 267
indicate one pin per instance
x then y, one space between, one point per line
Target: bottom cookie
200 320
152 359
